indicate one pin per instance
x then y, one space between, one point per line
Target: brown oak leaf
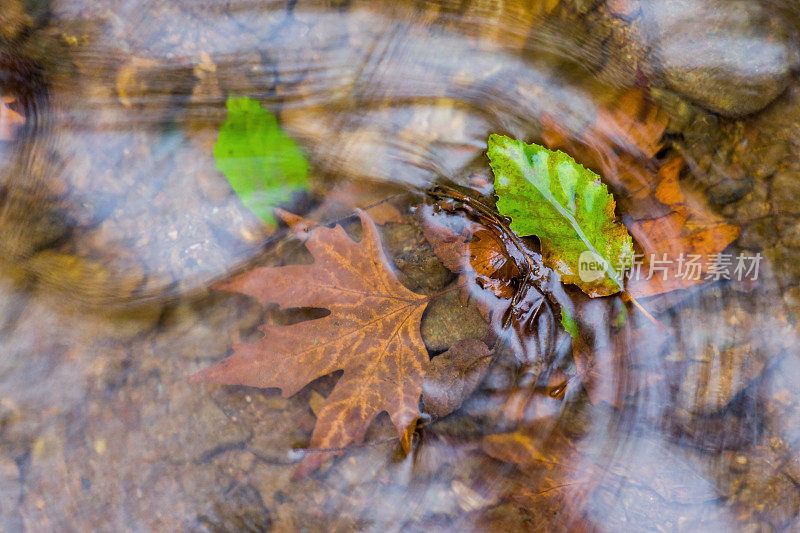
372 334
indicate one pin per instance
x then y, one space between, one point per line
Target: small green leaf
620 313
263 165
548 194
569 323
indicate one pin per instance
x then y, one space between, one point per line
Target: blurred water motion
115 222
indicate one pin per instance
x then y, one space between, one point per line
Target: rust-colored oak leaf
372 334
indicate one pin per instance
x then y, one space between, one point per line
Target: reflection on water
115 223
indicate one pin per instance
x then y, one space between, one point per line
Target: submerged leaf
569 323
263 165
567 207
454 375
494 268
666 218
372 334
466 248
10 120
685 232
557 479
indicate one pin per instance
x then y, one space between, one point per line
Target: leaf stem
646 313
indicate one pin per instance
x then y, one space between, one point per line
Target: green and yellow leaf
549 195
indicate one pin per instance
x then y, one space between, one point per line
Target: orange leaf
492 264
372 334
632 124
10 120
661 216
668 192
527 325
703 243
558 479
686 231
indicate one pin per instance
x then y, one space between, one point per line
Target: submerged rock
785 191
13 20
732 58
718 361
450 319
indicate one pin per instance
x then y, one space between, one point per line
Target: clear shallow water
115 222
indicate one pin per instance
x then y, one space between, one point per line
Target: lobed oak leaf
372 334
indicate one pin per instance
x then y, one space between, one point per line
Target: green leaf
548 194
569 323
263 165
620 314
